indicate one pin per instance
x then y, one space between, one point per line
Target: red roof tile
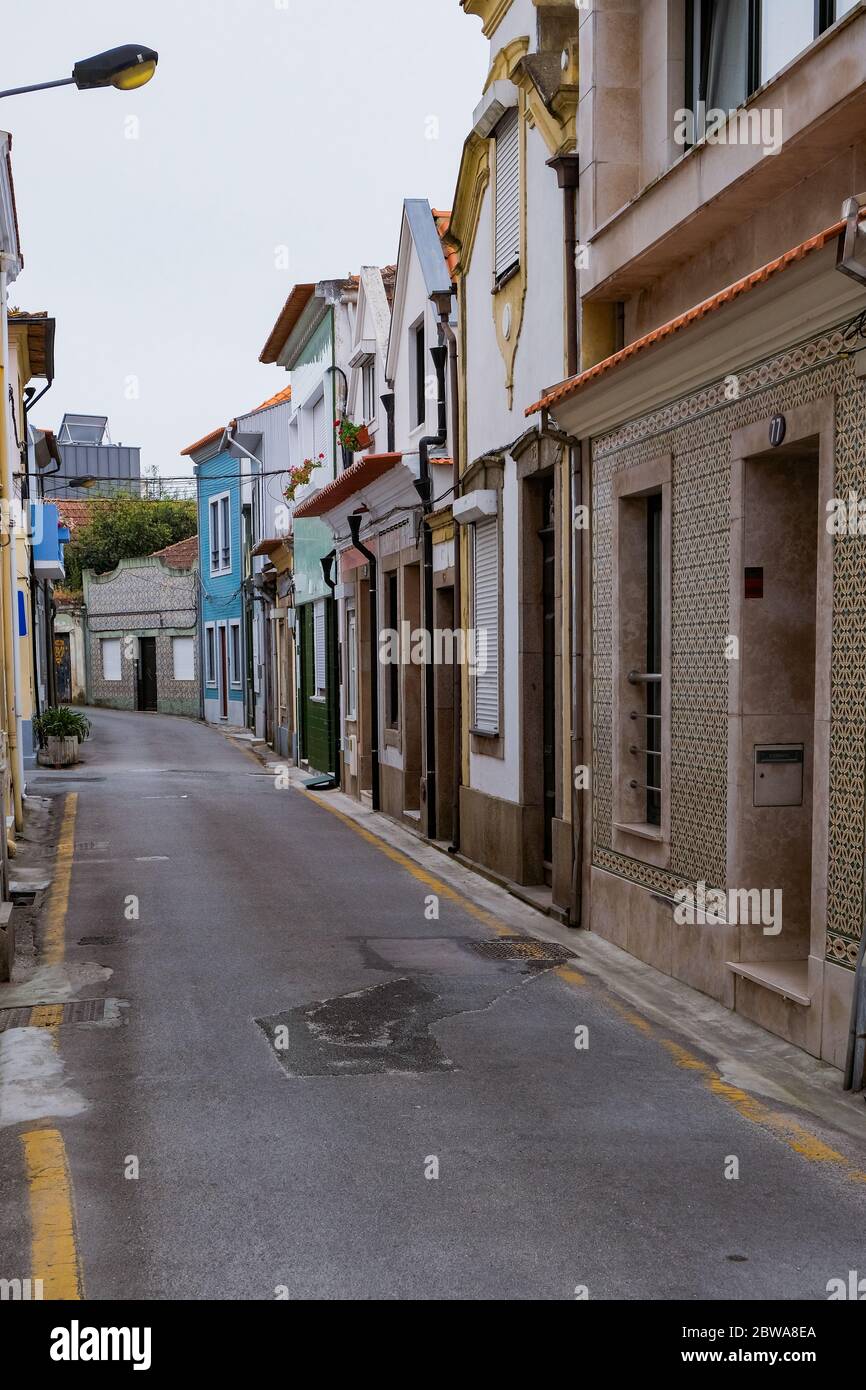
365 471
180 556
566 389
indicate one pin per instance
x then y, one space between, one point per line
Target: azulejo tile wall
696 430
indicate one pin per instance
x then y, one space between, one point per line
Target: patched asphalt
303 1166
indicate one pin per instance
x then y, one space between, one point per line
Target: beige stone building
720 418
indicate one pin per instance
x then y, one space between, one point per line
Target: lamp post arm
38 87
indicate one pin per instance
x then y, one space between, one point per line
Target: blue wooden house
222 569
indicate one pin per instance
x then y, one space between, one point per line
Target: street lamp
126 68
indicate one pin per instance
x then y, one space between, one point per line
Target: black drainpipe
388 400
327 562
355 529
424 488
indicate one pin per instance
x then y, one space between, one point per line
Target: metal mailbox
779 774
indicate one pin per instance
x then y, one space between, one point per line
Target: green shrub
61 722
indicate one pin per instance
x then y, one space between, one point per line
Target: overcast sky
273 130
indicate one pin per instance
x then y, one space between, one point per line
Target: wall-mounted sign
778 430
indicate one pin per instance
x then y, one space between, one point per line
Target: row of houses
32 537
553 549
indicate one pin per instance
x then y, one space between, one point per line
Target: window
322 434
351 664
737 45
210 654
320 649
507 204
419 360
235 653
183 658
220 534
368 391
654 659
392 710
641 655
110 658
485 620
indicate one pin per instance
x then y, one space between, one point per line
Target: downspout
373 562
566 168
457 775
199 604
389 401
10 603
327 562
577 702
424 488
38 586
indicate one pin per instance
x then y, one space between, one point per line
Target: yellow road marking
46 1016
54 1249
54 947
443 890
790 1131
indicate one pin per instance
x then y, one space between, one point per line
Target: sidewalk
743 1055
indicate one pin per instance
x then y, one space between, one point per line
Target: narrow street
286 1133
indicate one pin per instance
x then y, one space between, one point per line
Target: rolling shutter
485 577
507 193
321 444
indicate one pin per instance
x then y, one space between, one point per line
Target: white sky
270 123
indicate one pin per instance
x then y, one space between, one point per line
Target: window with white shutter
507 137
321 444
111 658
319 648
485 618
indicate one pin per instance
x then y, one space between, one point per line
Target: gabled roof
419 231
180 556
289 315
74 512
201 443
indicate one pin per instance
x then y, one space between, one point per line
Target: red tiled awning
566 389
361 474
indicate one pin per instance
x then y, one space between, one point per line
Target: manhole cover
99 940
523 948
51 1015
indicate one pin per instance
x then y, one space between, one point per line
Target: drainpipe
443 304
327 563
855 1063
389 400
577 703
38 585
10 602
424 488
566 168
372 560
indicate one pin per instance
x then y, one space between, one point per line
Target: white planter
60 752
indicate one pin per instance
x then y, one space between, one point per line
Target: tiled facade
697 431
142 598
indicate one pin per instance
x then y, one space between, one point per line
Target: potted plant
353 438
300 475
60 730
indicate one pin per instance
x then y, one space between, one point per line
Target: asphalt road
299 1039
